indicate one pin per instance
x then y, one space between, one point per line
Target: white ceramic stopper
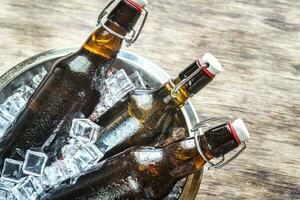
213 64
241 130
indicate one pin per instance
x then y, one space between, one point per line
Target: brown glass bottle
150 112
70 88
150 173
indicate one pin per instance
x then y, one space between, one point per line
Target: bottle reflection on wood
150 113
71 87
150 173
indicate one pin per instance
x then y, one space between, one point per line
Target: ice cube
28 189
5 187
87 155
44 71
4 193
6 114
119 84
53 174
137 80
85 129
14 104
25 91
12 170
37 79
68 168
34 163
108 100
60 171
4 125
69 150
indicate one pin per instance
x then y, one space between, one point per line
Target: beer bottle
150 112
70 87
150 173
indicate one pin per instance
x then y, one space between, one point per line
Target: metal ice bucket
155 76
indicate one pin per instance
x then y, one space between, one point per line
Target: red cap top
138 4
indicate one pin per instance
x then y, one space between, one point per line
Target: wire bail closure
186 80
197 129
134 35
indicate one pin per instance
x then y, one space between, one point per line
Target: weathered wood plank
258 43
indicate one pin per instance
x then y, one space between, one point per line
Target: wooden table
258 43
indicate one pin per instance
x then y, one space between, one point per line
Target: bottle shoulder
103 43
79 65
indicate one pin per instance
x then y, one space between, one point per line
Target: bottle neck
173 99
120 20
178 97
184 157
221 139
125 14
196 77
103 43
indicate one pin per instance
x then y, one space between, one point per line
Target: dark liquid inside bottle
67 91
124 178
147 172
146 118
71 89
150 115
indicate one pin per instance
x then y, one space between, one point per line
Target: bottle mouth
210 65
204 68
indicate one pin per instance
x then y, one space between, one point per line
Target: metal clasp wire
185 80
197 129
134 35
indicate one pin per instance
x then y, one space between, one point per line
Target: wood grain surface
258 43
